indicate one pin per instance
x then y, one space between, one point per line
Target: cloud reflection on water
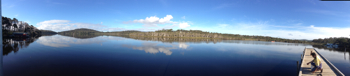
153 48
183 45
148 47
62 41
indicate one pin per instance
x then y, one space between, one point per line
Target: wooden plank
305 70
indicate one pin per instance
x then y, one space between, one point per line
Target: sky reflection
153 48
63 41
124 55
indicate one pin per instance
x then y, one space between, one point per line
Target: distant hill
172 34
80 30
80 33
47 32
303 39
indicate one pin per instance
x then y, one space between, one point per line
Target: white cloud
184 25
166 19
16 15
63 25
27 21
184 17
153 22
223 25
116 29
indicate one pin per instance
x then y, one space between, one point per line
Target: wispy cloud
116 29
164 3
150 24
63 25
27 21
183 17
53 2
283 31
223 6
9 5
328 12
153 22
223 25
312 1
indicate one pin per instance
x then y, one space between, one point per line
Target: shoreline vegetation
166 35
169 35
10 26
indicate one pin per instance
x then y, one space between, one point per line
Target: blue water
109 56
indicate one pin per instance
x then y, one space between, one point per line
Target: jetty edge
328 68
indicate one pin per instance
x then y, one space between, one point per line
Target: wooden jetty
328 68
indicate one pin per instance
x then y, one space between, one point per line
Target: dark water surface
109 56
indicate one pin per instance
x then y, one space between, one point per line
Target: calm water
109 55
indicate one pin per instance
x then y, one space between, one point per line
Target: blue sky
292 19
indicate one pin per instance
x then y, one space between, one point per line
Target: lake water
111 55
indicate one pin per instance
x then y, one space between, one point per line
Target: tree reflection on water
14 44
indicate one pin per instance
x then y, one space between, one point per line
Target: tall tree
15 27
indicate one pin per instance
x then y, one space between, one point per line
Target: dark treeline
14 25
171 35
340 41
214 35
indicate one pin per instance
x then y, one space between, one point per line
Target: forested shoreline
169 34
10 26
